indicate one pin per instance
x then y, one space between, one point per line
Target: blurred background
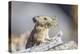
23 12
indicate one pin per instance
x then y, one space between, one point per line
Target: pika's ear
53 18
34 19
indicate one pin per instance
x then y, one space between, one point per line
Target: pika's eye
45 18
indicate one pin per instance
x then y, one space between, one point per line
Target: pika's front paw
48 39
44 41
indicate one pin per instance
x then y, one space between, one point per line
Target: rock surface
56 43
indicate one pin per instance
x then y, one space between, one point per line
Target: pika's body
40 31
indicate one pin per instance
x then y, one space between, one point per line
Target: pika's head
44 20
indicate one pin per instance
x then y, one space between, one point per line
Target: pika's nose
34 20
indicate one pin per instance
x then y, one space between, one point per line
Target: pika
40 31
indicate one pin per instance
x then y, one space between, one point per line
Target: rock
69 45
56 40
